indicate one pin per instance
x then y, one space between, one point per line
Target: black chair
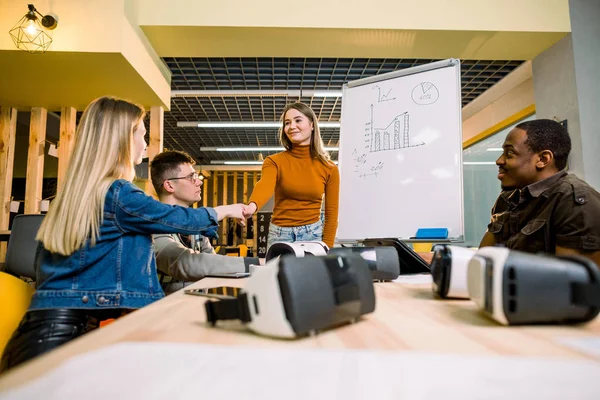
22 246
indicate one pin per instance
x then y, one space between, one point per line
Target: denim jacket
119 271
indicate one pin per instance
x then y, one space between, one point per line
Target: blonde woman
97 259
299 177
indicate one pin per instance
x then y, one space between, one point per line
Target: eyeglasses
193 177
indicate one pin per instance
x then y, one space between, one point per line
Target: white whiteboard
400 154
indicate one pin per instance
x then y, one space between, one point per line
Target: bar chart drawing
395 135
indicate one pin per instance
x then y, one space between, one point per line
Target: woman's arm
134 211
264 188
332 198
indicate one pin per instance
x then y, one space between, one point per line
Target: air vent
512 306
512 275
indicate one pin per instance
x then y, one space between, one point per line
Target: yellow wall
473 29
460 15
95 51
504 100
511 103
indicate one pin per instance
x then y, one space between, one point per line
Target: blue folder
432 233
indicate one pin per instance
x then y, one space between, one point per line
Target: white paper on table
415 279
185 371
588 345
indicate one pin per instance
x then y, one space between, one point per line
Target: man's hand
249 210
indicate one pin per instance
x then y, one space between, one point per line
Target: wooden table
4 236
407 317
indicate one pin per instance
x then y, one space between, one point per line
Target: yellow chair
422 247
15 296
243 250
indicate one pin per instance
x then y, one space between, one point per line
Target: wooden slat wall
225 188
35 160
245 201
224 200
155 142
66 141
205 193
234 200
8 130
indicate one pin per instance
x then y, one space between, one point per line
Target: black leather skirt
43 330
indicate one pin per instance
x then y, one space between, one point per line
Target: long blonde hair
317 148
102 154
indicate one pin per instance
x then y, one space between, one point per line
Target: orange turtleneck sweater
299 183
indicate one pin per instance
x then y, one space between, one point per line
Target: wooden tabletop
407 317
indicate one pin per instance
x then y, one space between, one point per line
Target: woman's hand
232 211
250 209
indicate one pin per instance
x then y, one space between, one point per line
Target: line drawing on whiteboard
396 135
366 171
383 97
425 93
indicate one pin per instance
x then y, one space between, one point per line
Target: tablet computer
229 275
410 261
220 292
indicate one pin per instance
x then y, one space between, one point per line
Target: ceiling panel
278 74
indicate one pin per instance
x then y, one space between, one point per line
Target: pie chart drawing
425 93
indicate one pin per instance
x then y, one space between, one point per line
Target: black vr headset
383 261
291 297
513 287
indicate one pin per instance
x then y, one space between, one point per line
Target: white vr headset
449 271
298 249
291 297
383 261
513 287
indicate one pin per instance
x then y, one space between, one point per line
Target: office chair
22 246
15 296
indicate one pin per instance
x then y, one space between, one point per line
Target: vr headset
298 249
383 261
449 271
291 297
513 287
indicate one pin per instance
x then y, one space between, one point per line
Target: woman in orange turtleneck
299 177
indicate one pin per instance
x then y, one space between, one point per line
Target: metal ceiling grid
279 74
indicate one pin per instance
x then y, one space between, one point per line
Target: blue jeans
292 234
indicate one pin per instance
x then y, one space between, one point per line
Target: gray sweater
185 265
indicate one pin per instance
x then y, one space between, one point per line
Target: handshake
237 211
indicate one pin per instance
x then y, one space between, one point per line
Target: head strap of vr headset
586 294
228 309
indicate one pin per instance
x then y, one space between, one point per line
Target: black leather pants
43 330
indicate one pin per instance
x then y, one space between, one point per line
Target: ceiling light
253 125
257 148
494 149
234 93
329 124
31 35
327 93
256 93
479 163
236 162
222 162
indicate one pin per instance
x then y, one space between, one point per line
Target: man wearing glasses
185 259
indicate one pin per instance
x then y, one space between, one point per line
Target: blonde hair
317 148
102 154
